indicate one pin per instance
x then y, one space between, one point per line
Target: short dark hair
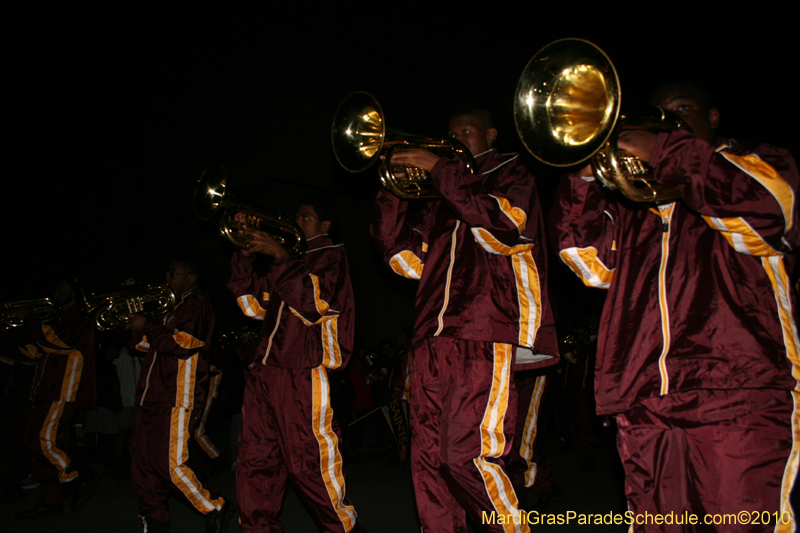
690 89
324 207
481 113
188 265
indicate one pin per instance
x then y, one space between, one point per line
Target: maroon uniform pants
525 465
463 412
200 437
710 453
160 465
289 434
47 436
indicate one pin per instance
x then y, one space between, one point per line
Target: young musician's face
469 130
702 120
179 279
309 222
64 293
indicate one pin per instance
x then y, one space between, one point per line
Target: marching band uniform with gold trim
201 439
64 380
525 465
288 430
480 257
698 344
171 392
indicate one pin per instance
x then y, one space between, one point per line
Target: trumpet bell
210 192
567 110
358 132
567 102
359 137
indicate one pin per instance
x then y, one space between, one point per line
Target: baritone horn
567 110
106 311
113 310
211 195
13 313
360 137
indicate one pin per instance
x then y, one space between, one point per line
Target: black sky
116 110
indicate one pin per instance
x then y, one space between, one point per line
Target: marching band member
63 382
172 390
289 433
480 258
698 345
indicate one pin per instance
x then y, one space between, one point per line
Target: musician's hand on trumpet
638 142
261 242
415 157
136 324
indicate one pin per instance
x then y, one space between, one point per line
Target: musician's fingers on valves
415 157
638 142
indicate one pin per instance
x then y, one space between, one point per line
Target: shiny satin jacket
306 306
175 370
699 289
64 349
479 255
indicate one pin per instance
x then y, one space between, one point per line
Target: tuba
211 195
12 313
567 110
109 311
359 137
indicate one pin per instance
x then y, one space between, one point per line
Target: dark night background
115 110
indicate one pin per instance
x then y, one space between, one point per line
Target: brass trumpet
359 137
211 195
567 110
109 311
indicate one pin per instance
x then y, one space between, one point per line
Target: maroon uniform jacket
479 254
175 369
306 305
64 349
699 291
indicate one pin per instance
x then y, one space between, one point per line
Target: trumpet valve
416 173
135 305
632 165
408 174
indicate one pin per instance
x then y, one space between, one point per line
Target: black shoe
87 481
30 482
42 510
217 521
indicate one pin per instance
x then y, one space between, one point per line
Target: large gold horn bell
567 111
